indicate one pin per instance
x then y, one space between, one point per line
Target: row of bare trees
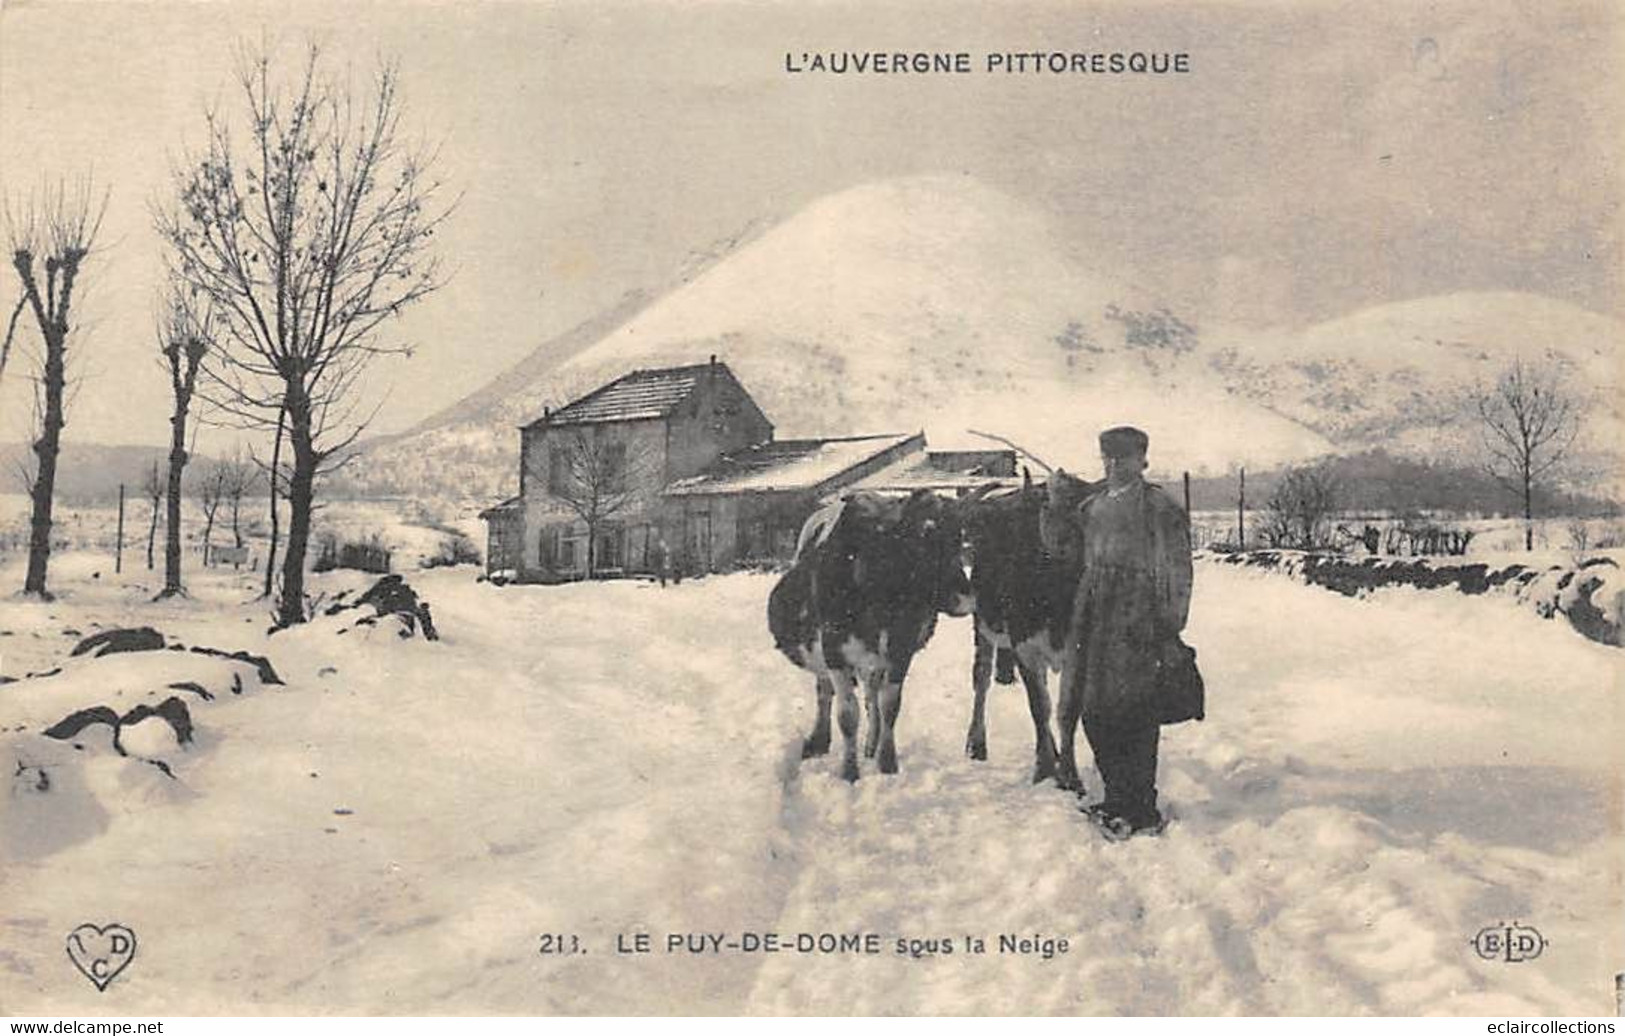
292 234
217 483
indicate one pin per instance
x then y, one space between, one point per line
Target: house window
614 464
558 471
609 549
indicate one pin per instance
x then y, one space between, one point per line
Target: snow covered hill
931 302
1395 375
937 302
398 828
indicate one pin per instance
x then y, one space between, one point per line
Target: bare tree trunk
172 513
1528 510
301 491
208 534
152 534
276 465
48 446
118 551
592 549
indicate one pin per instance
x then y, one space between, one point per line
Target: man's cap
1123 441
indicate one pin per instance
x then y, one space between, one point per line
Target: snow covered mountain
940 303
1395 376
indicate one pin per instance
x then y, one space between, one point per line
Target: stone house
684 456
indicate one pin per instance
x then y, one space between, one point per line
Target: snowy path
1376 781
1345 829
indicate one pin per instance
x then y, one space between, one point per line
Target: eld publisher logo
1511 943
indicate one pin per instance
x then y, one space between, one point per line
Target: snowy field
397 828
411 529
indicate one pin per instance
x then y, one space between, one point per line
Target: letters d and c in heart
100 953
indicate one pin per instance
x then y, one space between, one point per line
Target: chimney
713 359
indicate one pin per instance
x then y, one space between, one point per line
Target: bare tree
53 235
1300 511
210 489
153 489
238 478
307 228
1529 419
598 476
183 335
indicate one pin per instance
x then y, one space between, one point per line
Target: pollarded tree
183 337
51 237
307 223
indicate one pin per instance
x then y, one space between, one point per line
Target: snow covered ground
396 829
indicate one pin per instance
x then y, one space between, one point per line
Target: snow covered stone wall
1589 593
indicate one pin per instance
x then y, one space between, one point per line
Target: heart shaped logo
101 953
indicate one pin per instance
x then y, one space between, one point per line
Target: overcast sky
1317 158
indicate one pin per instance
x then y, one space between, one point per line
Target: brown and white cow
871 575
1024 594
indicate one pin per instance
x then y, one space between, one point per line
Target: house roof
639 396
791 465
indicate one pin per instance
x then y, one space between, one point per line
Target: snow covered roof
640 395
797 465
925 472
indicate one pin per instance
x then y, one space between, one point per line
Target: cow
1024 593
870 576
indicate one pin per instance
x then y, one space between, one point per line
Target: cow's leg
891 702
871 708
981 675
847 713
1068 709
1036 679
817 743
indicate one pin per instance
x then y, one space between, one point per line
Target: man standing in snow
1132 601
662 559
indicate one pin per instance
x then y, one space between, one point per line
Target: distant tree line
1378 482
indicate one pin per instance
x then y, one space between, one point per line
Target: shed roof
791 465
927 472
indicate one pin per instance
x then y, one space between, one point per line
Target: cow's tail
789 612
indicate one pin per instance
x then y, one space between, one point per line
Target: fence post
118 550
1241 513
